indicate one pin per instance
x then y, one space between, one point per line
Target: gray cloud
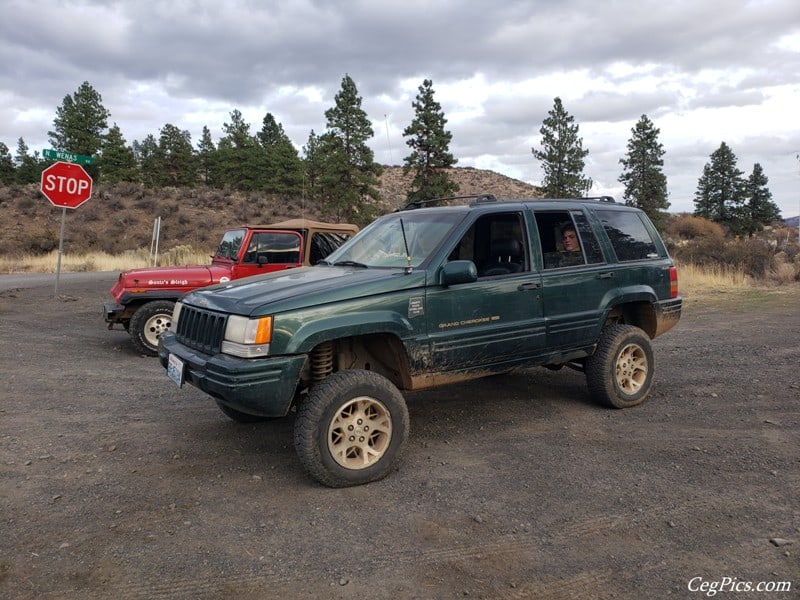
190 63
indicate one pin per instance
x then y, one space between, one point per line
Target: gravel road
116 484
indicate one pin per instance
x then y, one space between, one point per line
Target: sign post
66 185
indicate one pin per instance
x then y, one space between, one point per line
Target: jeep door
496 321
268 251
574 283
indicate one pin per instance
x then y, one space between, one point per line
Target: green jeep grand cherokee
425 297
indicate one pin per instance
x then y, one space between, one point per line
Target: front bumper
264 387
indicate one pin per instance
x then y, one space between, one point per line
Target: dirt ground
116 484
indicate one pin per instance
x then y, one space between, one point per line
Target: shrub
689 227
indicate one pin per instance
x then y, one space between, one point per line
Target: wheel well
641 314
382 353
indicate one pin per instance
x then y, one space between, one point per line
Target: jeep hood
302 287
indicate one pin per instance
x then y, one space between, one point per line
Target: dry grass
101 261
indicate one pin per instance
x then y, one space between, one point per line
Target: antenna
388 141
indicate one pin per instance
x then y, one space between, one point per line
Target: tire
350 428
148 323
239 416
620 372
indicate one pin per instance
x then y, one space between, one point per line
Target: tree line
338 171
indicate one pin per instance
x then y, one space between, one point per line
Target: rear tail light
673 282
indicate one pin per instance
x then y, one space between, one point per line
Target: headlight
176 312
247 338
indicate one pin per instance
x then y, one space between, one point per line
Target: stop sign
66 184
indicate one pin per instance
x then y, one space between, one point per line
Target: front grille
200 329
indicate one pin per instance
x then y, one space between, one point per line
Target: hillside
120 217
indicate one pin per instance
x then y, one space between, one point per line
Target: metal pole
60 247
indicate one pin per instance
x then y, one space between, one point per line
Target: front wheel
148 323
620 372
350 428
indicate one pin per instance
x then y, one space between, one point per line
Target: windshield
382 243
229 246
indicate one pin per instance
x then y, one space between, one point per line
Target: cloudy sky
704 71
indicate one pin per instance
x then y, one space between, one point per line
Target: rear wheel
148 323
620 372
350 428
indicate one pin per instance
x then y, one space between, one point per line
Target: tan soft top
308 224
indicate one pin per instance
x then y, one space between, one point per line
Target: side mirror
459 271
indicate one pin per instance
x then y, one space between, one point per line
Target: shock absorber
322 361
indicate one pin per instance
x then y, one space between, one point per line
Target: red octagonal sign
66 184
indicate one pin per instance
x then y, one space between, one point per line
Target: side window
567 239
322 244
496 244
629 237
591 247
273 248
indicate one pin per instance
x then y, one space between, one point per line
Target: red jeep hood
170 278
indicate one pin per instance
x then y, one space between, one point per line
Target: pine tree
720 191
313 165
283 164
760 210
206 156
562 155
146 154
80 123
7 172
239 163
117 163
645 183
430 144
350 177
29 168
176 155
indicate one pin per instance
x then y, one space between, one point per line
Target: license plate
175 369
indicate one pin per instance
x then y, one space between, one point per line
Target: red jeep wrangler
144 298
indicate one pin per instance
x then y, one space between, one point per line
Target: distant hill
120 217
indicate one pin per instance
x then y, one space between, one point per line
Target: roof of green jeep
489 202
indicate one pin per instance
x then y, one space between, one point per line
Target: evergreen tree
146 154
239 161
313 167
562 155
760 210
720 191
7 172
284 169
430 143
29 168
117 163
80 123
176 156
645 183
206 155
350 178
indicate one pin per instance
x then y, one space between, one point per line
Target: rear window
629 236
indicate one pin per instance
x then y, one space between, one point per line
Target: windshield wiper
350 263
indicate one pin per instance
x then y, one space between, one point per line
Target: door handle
524 287
605 275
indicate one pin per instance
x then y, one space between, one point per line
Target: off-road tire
350 428
148 323
620 372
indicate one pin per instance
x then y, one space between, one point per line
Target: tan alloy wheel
360 433
155 326
631 368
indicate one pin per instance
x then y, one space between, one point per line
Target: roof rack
479 198
609 199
